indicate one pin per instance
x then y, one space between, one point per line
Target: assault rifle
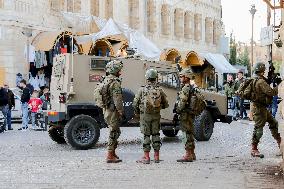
272 77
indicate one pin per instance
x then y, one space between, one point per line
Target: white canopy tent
219 62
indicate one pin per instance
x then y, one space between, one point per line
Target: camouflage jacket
138 100
238 82
230 89
115 91
184 96
263 92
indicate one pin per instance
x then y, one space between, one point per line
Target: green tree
277 65
243 59
233 50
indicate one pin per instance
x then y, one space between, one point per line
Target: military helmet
113 67
187 72
259 67
151 74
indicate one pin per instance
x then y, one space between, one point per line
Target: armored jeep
75 119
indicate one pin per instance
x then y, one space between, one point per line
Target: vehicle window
168 79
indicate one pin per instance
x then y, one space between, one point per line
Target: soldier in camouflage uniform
186 116
263 95
150 116
113 113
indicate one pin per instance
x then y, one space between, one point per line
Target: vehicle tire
56 134
128 97
203 126
82 132
170 133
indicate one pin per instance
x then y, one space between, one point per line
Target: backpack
102 96
197 103
246 90
152 99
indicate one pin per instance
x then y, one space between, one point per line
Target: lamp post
252 11
28 32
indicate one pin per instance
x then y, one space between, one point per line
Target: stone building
185 25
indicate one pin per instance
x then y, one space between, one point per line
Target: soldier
230 89
148 102
262 95
238 82
186 116
113 113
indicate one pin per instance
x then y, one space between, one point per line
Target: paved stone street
31 160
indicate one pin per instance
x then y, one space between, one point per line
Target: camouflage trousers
150 127
260 116
113 119
187 128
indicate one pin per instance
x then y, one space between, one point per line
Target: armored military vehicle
75 119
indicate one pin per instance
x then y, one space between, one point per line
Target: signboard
266 36
94 78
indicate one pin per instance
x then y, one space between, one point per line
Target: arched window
1 4
178 22
197 27
133 9
188 25
74 6
208 30
95 7
151 16
165 19
108 9
56 5
216 31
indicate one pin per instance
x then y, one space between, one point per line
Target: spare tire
203 126
128 97
82 132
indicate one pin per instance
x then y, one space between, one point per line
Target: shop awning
219 62
45 41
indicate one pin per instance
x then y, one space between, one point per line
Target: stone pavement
30 160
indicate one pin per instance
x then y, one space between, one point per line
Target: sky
237 18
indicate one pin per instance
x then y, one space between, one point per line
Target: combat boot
111 158
254 151
115 155
157 156
145 159
189 157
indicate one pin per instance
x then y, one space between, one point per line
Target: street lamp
28 32
252 11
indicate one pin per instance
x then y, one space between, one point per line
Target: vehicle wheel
82 132
170 133
56 134
203 126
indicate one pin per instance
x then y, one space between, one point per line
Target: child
35 104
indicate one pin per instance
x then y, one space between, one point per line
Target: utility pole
252 11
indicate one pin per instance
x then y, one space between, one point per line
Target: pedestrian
24 105
148 103
113 112
240 101
230 89
45 99
11 104
35 104
186 116
262 96
4 105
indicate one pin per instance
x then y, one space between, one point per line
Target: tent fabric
44 41
220 63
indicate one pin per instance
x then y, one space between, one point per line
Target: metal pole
252 45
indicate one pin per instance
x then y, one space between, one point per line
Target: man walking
148 103
113 112
4 104
186 116
238 82
24 100
262 95
11 104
